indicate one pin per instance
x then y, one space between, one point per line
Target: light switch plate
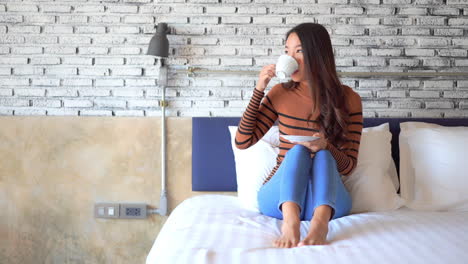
102 210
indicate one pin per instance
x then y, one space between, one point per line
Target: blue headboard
213 167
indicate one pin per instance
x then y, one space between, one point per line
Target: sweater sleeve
257 119
346 156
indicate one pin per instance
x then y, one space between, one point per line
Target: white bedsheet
215 229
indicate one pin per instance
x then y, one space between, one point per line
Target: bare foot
290 234
317 234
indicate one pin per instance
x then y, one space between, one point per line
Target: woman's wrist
259 89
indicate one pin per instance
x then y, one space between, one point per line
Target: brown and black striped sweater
292 109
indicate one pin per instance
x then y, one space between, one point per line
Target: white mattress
215 229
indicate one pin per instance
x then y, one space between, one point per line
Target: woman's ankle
318 221
290 211
291 221
323 213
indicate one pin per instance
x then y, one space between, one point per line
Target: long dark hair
323 81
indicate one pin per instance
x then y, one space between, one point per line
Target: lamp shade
159 44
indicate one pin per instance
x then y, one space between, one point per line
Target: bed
218 229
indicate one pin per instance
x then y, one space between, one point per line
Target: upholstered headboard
213 167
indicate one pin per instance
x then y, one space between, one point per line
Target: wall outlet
106 210
133 211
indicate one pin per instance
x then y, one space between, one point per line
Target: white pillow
373 184
433 168
253 165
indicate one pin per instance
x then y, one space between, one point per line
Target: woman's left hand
315 145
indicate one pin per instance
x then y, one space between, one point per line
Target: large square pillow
433 170
253 165
373 184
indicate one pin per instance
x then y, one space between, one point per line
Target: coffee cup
286 66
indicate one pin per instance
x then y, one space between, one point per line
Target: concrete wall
53 170
87 57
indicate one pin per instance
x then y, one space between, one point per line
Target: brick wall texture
87 57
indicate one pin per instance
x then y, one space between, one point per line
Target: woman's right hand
265 76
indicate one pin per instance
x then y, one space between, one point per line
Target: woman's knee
298 150
323 154
324 159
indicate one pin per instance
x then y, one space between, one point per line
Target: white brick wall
88 57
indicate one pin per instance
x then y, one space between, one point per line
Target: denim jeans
308 182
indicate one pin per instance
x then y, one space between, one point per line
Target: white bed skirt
216 229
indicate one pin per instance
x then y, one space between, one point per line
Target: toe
276 243
279 244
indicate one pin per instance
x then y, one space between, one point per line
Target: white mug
286 66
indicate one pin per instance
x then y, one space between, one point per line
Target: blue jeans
308 182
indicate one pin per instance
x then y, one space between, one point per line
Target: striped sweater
292 108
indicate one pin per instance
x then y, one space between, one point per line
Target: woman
306 182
